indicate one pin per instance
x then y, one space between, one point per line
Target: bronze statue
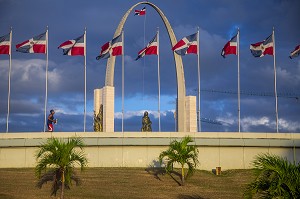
146 123
98 120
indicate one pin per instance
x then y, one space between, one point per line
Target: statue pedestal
191 114
106 96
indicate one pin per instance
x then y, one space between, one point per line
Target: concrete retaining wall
228 150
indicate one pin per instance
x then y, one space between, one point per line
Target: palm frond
275 177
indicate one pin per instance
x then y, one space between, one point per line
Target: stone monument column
106 97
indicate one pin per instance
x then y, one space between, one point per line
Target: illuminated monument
186 105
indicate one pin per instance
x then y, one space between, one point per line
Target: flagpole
239 92
158 78
84 114
46 89
198 60
144 60
9 75
275 81
122 80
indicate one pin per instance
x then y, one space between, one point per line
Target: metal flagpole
158 78
84 119
275 82
9 74
198 59
239 94
46 89
144 59
123 81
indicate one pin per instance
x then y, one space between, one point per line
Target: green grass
131 183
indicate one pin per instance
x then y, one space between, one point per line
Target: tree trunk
62 185
182 175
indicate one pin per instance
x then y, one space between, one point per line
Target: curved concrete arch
110 66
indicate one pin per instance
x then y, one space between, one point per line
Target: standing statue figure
98 120
100 116
146 123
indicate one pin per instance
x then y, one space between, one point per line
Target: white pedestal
106 96
191 114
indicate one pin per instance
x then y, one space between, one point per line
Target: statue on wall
146 123
98 120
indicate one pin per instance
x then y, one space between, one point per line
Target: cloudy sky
217 20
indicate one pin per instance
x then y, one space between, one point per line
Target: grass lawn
129 183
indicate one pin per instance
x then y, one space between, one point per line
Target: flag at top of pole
111 48
263 48
140 12
73 47
150 49
5 44
230 47
186 45
36 44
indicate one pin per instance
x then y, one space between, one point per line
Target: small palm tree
56 161
182 153
276 177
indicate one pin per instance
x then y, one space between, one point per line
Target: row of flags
259 49
186 45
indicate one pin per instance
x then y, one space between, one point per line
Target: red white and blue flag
263 48
296 52
150 49
230 47
5 44
140 12
186 45
36 44
111 48
74 47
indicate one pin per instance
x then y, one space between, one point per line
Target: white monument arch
186 117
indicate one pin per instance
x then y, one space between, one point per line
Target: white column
108 98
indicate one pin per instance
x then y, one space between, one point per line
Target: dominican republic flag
5 44
36 44
73 47
150 49
263 48
111 48
186 45
140 12
296 52
230 47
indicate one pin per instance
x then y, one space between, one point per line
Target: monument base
191 114
106 97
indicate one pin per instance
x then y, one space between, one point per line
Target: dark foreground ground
129 183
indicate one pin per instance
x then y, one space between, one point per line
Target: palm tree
56 161
276 177
182 153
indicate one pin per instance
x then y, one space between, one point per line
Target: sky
217 20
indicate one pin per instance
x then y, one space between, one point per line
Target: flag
5 44
111 48
296 52
230 47
263 48
73 47
36 44
150 49
140 12
186 45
